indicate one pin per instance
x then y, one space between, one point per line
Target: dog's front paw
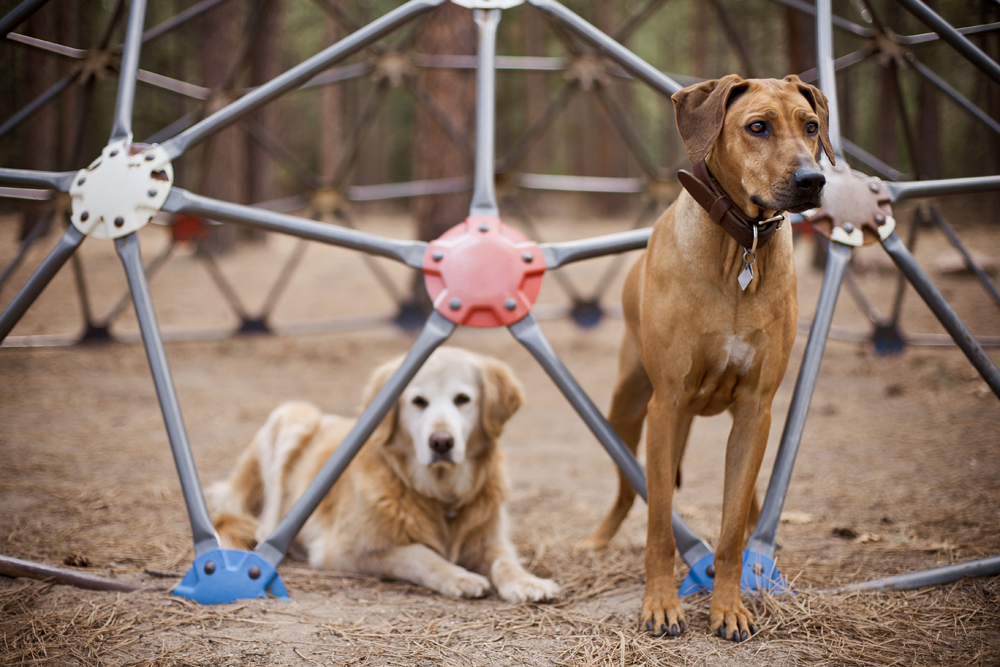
528 588
730 619
466 585
662 613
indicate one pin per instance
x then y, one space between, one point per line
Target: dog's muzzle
441 445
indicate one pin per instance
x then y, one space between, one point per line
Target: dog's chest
720 364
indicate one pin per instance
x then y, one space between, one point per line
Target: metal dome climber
480 273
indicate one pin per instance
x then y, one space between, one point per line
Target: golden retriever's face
440 410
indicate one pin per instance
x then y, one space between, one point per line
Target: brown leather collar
710 195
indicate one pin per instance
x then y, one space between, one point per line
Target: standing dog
697 342
423 501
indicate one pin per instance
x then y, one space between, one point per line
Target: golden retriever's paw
466 585
732 622
528 588
662 615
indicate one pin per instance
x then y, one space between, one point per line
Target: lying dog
711 314
423 501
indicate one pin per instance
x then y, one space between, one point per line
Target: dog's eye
462 399
757 127
420 402
812 127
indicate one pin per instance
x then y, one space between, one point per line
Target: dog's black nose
442 442
809 180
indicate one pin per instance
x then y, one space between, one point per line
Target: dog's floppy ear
817 100
384 431
502 396
700 111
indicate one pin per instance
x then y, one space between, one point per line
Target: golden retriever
423 501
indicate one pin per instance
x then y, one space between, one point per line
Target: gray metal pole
944 312
949 34
933 577
953 93
970 261
560 254
60 180
436 331
945 186
69 242
765 534
40 226
527 332
38 103
122 126
19 15
827 74
484 199
205 537
298 75
410 253
632 63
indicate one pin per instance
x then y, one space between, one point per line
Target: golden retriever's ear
502 396
700 111
817 100
387 427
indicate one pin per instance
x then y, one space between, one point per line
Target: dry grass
380 623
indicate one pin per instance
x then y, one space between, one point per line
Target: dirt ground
899 470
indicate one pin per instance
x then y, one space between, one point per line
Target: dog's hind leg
628 411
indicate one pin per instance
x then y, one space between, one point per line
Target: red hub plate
481 273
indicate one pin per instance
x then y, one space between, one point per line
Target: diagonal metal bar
604 282
527 332
29 240
911 242
225 287
48 47
827 77
122 126
436 331
59 180
69 242
836 21
173 85
735 37
909 138
953 93
81 288
552 110
38 102
862 302
985 567
561 277
205 537
561 254
878 166
250 33
632 63
377 270
351 150
635 20
298 75
19 15
484 198
179 19
426 100
943 311
970 262
947 186
338 74
179 125
279 152
957 40
287 269
841 64
410 253
764 537
923 38
151 269
627 131
436 186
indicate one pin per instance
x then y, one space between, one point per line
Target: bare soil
899 470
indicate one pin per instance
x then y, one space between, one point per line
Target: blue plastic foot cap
227 575
760 573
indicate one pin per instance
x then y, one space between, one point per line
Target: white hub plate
119 193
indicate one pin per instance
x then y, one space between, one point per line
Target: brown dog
695 342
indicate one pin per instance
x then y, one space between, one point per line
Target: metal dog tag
746 275
749 259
